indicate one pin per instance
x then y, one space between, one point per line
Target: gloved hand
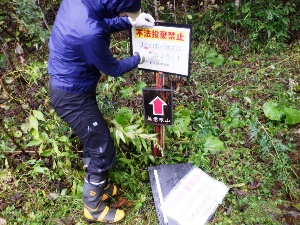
146 55
143 20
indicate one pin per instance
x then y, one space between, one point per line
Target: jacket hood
112 8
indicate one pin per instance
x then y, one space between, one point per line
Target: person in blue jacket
78 53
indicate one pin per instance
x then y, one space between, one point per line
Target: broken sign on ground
184 194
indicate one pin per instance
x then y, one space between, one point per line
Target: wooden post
159 129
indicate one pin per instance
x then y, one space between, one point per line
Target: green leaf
20 167
147 136
190 17
55 146
8 80
127 92
216 25
123 116
273 111
128 162
44 136
144 144
151 157
215 58
137 143
39 115
211 55
297 88
213 144
292 116
235 122
33 122
46 153
39 169
218 61
120 135
34 142
139 86
17 134
64 192
63 138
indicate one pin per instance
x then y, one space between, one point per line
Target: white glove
143 20
146 55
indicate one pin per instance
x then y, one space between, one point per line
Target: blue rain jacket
80 39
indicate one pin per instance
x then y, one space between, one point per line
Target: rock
3 221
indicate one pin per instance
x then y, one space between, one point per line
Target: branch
156 10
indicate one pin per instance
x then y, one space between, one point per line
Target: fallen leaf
254 185
240 192
121 202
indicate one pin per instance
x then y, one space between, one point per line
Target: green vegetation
237 117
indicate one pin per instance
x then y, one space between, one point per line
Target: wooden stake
159 129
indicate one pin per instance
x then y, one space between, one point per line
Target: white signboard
195 198
170 42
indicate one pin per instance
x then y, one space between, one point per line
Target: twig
185 10
28 152
156 10
45 21
175 11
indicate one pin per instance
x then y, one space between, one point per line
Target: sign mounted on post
170 42
158 106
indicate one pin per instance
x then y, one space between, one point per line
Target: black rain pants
81 112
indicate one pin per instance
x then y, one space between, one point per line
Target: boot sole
92 221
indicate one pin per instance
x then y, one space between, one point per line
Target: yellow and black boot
110 191
95 210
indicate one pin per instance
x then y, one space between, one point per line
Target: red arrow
158 106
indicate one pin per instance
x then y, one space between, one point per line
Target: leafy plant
129 128
31 19
215 59
213 144
43 139
182 121
255 25
278 112
274 150
35 71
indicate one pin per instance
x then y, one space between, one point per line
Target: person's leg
82 114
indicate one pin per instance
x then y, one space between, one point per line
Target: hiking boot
95 210
110 191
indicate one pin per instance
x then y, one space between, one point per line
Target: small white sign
170 42
195 198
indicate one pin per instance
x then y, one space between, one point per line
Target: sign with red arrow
158 106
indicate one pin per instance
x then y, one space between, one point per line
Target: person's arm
118 24
96 53
122 23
